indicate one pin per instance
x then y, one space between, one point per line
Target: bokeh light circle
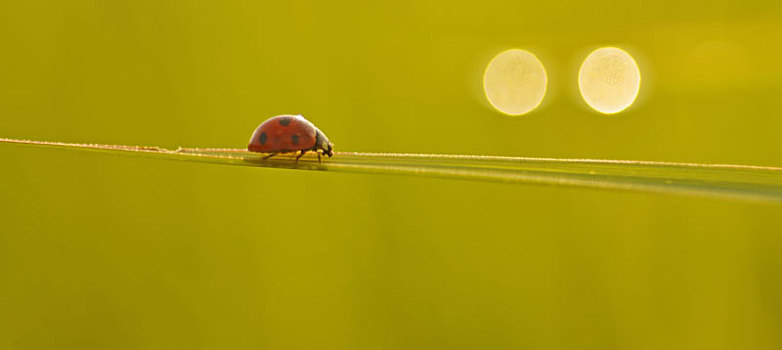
515 82
609 80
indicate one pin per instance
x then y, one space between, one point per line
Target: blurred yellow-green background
101 251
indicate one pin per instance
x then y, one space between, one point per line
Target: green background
100 251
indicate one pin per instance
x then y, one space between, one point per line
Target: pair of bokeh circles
515 81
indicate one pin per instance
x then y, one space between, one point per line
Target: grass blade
716 180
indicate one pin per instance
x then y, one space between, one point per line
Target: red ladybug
289 133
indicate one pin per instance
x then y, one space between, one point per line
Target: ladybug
289 133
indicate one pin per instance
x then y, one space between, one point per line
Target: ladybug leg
318 156
300 154
271 155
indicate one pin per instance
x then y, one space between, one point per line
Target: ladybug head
322 143
329 150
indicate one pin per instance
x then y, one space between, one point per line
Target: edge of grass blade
760 183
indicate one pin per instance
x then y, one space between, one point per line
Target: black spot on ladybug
284 121
263 138
295 139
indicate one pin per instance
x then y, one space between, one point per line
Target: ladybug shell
283 133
